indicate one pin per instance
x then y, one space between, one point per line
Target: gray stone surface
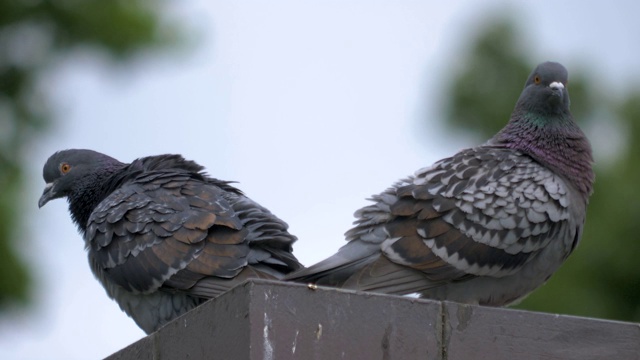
274 320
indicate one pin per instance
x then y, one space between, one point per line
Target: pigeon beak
557 91
47 194
557 87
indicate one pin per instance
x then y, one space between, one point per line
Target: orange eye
536 79
65 168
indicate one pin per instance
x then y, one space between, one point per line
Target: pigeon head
545 92
78 175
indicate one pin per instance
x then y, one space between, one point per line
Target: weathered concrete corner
264 319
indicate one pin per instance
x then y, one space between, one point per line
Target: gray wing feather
170 231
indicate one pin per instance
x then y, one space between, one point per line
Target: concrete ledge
263 319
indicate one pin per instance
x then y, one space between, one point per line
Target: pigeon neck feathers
90 190
552 139
111 175
177 163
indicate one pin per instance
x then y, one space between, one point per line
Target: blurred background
313 107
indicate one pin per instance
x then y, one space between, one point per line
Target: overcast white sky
311 106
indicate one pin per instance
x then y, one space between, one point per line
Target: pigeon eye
536 79
65 168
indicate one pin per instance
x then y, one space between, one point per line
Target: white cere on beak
556 85
48 186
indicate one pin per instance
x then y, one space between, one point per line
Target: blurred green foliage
34 36
602 277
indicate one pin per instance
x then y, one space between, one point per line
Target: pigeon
486 226
162 236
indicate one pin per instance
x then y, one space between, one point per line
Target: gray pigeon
486 226
162 236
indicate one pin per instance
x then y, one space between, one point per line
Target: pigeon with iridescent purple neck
486 226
